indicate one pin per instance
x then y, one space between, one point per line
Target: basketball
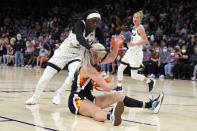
106 78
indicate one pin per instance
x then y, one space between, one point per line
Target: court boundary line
26 123
137 122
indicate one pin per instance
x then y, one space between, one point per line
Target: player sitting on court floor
81 101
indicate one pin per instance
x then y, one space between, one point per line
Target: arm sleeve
78 30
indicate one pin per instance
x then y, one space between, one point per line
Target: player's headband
92 15
100 50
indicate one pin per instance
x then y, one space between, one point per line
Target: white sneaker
57 99
32 101
193 78
161 77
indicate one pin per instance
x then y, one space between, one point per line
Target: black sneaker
151 85
118 89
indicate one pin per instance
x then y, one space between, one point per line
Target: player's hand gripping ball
105 77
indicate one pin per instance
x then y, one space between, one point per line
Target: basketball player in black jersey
81 101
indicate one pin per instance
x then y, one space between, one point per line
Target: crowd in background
30 31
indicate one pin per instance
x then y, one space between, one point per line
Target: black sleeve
101 37
78 30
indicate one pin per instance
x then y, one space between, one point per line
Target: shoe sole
161 101
119 109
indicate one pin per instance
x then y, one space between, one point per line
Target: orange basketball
105 77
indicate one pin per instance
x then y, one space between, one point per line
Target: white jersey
70 49
134 55
135 37
72 43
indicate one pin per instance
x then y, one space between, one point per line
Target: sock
119 84
129 102
148 105
108 116
148 81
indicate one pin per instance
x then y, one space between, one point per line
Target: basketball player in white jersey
134 54
82 36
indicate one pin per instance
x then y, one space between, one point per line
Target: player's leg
49 72
121 68
104 101
135 64
89 109
72 67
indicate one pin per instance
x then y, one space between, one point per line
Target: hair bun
141 13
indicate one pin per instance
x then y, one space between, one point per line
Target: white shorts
61 57
133 58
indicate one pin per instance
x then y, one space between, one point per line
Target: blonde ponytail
141 13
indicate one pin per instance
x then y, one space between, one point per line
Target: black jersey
81 89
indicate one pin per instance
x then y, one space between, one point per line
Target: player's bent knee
118 96
134 74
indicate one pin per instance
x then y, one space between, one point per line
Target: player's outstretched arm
112 56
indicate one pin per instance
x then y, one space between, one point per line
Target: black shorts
75 100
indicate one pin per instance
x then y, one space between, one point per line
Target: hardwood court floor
178 112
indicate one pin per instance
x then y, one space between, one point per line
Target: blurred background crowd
30 31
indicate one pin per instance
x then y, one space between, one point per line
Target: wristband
91 49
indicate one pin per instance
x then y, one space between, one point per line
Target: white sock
148 81
119 84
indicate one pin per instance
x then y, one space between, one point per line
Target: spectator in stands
190 46
151 67
147 55
19 48
127 34
43 57
5 42
29 52
171 61
107 67
163 61
182 67
10 55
